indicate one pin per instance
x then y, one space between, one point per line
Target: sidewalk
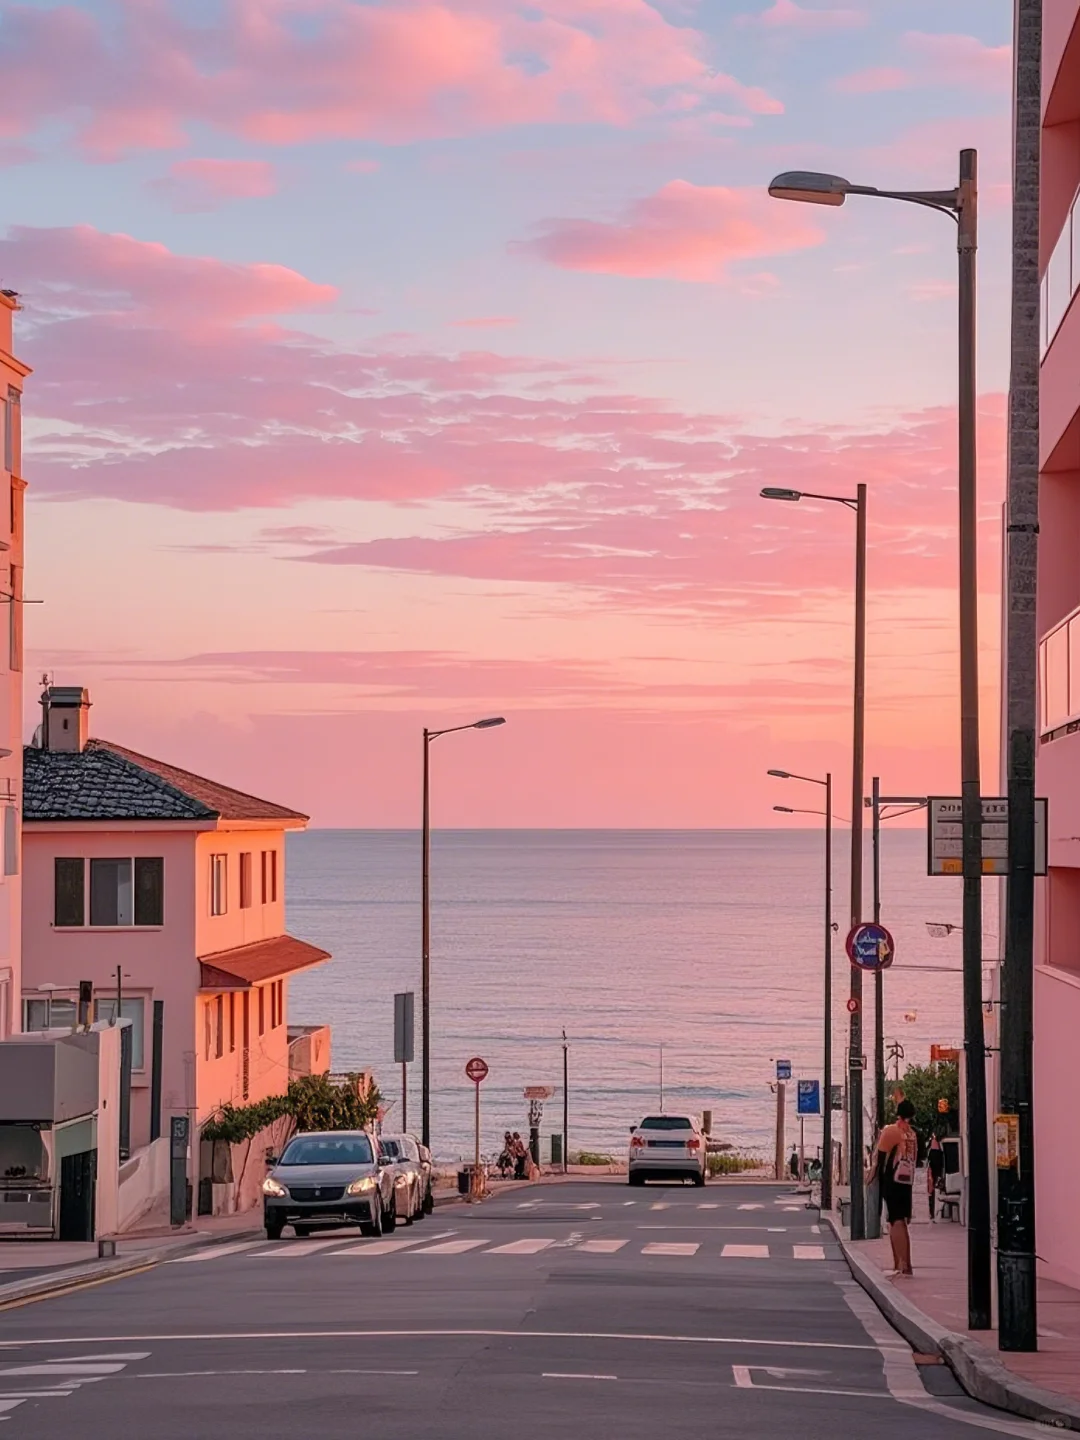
929 1308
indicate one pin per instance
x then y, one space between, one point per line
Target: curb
977 1368
93 1272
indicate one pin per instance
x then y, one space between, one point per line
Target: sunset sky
400 363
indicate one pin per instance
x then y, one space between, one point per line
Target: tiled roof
109 782
248 965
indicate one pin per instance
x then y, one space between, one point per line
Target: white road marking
453 1247
697 1229
660 1247
297 1250
573 1375
751 1207
63 1367
815 1229
708 1205
68 1374
745 1252
521 1247
602 1247
516 1334
216 1252
383 1247
198 1374
629 1202
809 1252
661 1205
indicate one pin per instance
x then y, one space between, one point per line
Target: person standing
935 1174
895 1162
793 1163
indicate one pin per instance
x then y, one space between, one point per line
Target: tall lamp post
961 205
826 1080
425 915
856 1059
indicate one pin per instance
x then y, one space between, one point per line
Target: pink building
12 374
167 892
1057 978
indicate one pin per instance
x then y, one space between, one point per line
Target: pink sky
404 363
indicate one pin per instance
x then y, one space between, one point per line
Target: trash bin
464 1175
556 1149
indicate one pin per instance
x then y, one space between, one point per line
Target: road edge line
976 1367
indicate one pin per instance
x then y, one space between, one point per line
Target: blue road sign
809 1098
783 1069
870 947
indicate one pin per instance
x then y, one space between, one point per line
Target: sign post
945 836
807 1102
403 1046
477 1071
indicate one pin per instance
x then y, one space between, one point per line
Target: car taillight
636 1142
693 1143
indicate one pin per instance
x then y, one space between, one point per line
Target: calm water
708 942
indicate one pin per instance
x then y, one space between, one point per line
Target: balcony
1061 279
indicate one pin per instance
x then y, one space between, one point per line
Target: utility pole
1017 1319
978 1236
827 1136
855 1033
781 1108
565 1104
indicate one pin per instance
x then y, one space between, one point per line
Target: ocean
705 946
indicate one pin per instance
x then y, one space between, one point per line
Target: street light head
490 723
773 492
809 186
784 809
779 774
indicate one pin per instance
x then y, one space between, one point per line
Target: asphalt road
576 1310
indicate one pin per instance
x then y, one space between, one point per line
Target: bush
733 1163
591 1157
313 1102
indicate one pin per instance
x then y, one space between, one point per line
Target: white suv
665 1147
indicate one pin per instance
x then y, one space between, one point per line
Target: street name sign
539 1092
783 1069
945 836
808 1098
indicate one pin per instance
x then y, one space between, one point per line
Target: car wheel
699 1179
301 1231
636 1179
274 1229
410 1211
389 1223
374 1226
429 1202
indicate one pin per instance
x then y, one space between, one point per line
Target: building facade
166 892
12 375
1057 976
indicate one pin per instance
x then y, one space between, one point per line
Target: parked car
667 1147
410 1178
326 1179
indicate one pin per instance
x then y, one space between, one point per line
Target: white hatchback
667 1147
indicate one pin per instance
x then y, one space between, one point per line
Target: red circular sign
476 1069
852 1005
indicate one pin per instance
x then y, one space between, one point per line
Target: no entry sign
476 1069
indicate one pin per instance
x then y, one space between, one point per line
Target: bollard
106 1249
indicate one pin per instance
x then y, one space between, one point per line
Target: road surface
572 1310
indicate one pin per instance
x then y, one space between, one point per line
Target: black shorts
897 1200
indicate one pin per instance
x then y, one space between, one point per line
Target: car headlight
361 1186
271 1187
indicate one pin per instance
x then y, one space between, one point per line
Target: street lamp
855 1042
961 205
425 913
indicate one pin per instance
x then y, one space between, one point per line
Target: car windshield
328 1150
666 1122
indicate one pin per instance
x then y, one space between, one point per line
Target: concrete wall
1057 1025
144 1184
238 926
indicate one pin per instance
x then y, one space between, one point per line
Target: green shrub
591 1157
733 1163
313 1102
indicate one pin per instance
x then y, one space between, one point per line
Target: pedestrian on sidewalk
895 1162
520 1154
935 1173
793 1163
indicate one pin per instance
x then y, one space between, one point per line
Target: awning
249 965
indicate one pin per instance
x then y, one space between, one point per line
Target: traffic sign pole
477 1071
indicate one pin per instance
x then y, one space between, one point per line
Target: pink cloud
295 71
194 185
683 232
485 322
787 15
955 61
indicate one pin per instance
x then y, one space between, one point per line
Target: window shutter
11 840
70 884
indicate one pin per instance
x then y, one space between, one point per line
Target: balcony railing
1059 677
1062 277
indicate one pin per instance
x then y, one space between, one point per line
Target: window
219 1026
123 891
15 620
219 884
69 906
39 1014
262 1009
279 987
245 880
12 432
269 876
11 840
232 1021
208 1030
130 1009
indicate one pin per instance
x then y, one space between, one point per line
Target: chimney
65 714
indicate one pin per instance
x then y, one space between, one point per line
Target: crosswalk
528 1245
